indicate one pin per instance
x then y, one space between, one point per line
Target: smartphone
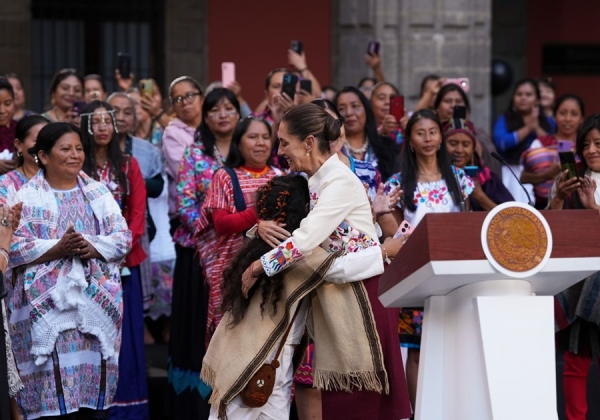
227 74
306 85
78 106
397 107
296 46
124 65
373 48
463 82
472 171
289 85
405 228
567 163
564 146
146 87
460 112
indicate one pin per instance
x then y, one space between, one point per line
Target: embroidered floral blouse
194 178
432 197
340 218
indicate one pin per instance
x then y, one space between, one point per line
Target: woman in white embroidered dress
430 184
340 219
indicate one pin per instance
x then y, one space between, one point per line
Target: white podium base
487 352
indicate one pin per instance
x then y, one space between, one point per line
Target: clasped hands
73 243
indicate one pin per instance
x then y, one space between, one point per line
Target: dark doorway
87 35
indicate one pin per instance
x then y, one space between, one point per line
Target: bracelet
303 70
385 258
4 253
160 114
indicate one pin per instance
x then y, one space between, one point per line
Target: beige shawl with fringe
347 354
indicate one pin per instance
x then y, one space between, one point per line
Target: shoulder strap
238 196
287 331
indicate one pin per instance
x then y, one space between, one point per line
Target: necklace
255 173
360 150
217 155
25 172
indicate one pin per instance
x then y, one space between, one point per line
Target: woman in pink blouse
201 159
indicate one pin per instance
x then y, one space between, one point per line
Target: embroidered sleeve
393 182
466 183
188 204
332 208
281 257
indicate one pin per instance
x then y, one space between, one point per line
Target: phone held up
227 74
472 171
459 112
146 87
288 87
405 228
397 107
296 46
306 85
373 48
78 106
463 82
567 163
124 65
564 146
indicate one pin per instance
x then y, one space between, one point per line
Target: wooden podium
487 349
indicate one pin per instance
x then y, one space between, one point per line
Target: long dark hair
385 149
23 126
203 134
283 199
409 162
235 159
115 156
514 120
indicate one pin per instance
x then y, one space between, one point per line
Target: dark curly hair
283 199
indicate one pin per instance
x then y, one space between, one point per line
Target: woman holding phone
540 161
381 101
576 316
431 185
65 89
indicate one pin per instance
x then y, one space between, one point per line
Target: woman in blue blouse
517 128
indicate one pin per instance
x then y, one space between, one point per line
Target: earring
19 154
307 153
439 146
412 149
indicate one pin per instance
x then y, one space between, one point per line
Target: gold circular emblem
517 239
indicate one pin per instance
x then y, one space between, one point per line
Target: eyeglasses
188 98
355 110
216 114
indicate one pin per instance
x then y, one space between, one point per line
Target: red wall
256 35
564 21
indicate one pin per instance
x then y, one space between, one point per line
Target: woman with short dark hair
448 97
17 85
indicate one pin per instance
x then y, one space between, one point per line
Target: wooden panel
457 237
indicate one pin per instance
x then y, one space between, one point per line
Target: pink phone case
463 82
405 228
227 74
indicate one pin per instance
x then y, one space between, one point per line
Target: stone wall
451 38
186 40
15 39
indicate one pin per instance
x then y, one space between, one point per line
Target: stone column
15 39
186 40
451 38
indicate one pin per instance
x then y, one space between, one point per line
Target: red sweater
135 211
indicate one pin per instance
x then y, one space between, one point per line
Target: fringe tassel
351 381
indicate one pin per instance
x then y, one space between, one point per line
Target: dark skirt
368 404
187 395
131 399
581 337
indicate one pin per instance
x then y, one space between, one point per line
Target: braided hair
284 199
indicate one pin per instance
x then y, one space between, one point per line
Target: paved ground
156 359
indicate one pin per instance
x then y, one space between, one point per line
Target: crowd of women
252 237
